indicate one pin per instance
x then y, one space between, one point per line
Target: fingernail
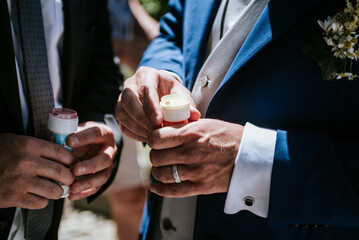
79 188
73 141
81 170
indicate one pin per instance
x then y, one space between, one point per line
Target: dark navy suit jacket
271 83
90 79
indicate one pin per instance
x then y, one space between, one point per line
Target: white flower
326 25
341 35
329 42
330 25
349 38
348 75
337 28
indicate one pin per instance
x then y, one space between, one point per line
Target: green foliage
156 8
321 53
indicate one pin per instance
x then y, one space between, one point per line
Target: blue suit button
248 201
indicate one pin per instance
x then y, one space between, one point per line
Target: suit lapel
8 76
198 25
275 19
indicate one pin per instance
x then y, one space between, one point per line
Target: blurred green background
156 8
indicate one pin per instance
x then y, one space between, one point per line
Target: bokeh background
156 8
83 221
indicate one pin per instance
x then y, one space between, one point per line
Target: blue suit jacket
315 180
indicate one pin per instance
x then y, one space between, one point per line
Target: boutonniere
337 47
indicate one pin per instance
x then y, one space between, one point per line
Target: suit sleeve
103 86
165 52
315 176
103 77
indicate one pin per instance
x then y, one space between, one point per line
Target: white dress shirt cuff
250 183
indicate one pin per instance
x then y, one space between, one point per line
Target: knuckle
104 161
58 171
96 131
81 136
195 157
90 183
160 175
108 161
142 71
64 174
28 202
11 197
55 191
118 110
35 202
106 174
122 118
24 185
68 179
23 162
58 151
106 130
152 142
143 91
203 173
41 203
174 190
125 130
27 143
102 179
153 157
168 178
205 187
154 172
91 166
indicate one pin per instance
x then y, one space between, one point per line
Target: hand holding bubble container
175 109
62 122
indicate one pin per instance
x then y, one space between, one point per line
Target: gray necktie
40 95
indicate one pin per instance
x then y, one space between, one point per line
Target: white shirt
53 28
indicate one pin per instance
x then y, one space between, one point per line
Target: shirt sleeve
251 178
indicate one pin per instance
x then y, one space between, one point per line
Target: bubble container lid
175 107
63 121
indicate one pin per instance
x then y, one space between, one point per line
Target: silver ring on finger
175 173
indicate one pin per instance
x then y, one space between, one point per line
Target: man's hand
204 152
93 144
28 169
138 108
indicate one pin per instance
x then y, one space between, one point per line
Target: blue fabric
121 19
273 84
